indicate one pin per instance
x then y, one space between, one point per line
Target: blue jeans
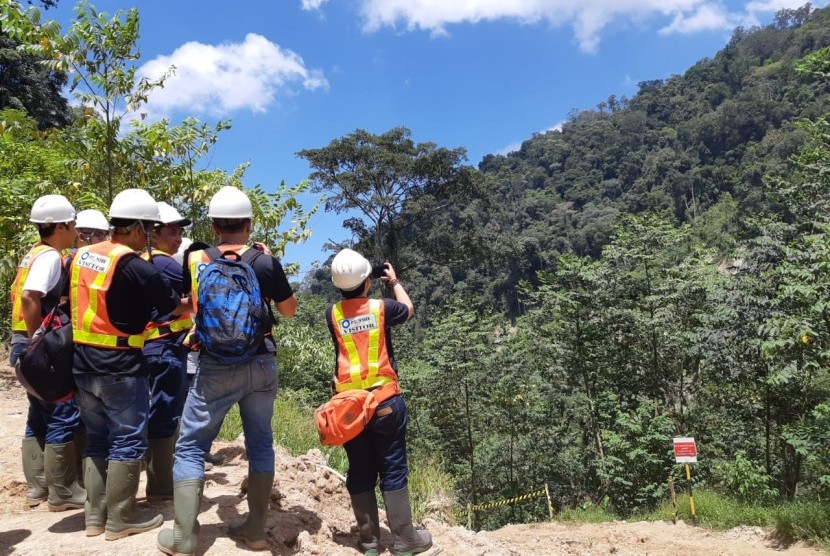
380 451
114 410
168 389
56 422
253 385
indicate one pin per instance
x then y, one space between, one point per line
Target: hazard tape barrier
490 505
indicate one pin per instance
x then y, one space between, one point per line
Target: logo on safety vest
358 324
27 260
92 261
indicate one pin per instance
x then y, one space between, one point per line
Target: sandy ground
310 514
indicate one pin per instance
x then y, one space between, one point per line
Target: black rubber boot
61 478
365 506
408 540
123 518
183 538
32 450
252 531
160 468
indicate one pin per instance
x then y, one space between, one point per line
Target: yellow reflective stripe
84 337
351 348
373 357
18 324
73 295
174 326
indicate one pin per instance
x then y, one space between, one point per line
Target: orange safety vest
362 360
93 269
18 324
158 330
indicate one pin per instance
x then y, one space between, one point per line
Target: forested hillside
656 268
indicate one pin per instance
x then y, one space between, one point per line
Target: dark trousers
379 452
168 388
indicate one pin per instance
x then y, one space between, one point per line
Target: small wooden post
550 505
469 516
673 500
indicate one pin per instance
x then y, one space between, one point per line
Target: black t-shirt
136 289
394 313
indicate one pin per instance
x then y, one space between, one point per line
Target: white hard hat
52 209
170 216
92 219
134 204
349 269
179 256
230 202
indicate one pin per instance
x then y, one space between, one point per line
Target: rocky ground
310 514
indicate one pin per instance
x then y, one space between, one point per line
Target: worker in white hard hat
212 395
113 292
48 450
92 227
360 328
166 357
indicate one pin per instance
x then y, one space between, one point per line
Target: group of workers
130 293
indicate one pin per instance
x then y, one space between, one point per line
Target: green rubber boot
62 479
95 509
160 468
408 540
32 450
123 518
365 506
182 539
252 531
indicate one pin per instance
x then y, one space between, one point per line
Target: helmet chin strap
148 234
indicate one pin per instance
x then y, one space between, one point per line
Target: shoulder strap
213 253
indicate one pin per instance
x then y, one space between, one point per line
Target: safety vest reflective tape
91 277
362 360
18 324
158 330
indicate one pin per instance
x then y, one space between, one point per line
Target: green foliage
745 480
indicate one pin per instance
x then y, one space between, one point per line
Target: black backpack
45 369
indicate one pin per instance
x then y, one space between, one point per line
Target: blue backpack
232 317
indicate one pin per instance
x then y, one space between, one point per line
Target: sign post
685 451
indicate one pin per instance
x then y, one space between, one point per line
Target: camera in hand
378 270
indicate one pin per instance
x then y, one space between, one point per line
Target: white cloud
219 79
587 18
708 17
513 147
313 4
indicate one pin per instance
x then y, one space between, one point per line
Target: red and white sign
685 450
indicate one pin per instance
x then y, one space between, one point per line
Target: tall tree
393 182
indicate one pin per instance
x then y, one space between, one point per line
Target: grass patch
807 521
714 511
293 426
589 513
430 487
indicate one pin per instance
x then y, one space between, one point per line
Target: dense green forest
656 268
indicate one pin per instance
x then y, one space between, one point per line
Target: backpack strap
248 256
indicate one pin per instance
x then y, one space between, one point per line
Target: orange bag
345 416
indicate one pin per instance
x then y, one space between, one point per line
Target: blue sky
479 74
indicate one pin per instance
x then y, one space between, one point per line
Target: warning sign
685 450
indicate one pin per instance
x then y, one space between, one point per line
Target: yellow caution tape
491 505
